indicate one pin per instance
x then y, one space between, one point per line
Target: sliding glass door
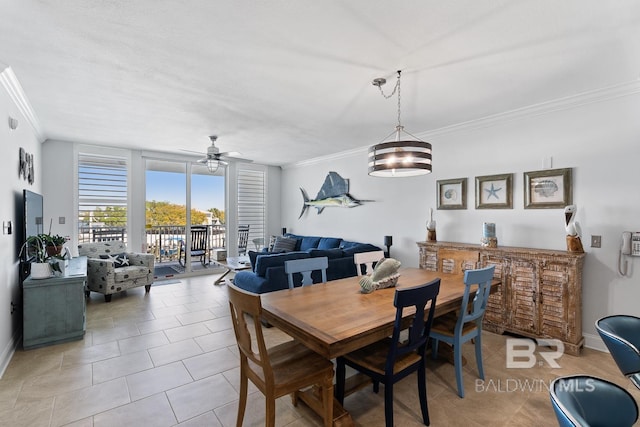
184 215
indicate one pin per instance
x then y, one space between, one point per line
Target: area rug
165 271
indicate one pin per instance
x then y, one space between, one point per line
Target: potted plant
35 250
53 243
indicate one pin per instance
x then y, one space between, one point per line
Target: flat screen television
33 214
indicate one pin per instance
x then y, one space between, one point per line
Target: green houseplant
43 253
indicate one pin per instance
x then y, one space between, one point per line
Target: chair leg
243 397
434 348
478 344
388 403
147 288
107 298
457 360
340 379
422 392
270 413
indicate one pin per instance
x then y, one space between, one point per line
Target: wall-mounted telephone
630 247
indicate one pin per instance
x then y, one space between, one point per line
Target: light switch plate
596 241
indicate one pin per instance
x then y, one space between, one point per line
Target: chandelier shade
213 165
401 157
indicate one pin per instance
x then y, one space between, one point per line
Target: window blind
102 198
251 202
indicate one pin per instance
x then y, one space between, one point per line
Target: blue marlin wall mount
333 193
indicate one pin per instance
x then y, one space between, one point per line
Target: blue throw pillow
329 243
308 242
360 247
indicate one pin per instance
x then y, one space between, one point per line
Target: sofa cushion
284 244
329 243
272 260
329 253
129 273
359 247
308 242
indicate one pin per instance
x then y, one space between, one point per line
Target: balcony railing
162 240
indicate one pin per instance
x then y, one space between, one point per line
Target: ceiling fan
214 158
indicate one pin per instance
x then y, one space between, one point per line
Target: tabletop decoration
385 275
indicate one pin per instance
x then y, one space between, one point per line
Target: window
102 198
251 202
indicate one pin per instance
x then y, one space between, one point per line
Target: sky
207 191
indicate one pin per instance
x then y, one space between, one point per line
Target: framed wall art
452 193
548 189
494 191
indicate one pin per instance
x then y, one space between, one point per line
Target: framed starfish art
494 191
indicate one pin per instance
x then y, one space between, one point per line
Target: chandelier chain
396 88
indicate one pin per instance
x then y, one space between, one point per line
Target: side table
54 308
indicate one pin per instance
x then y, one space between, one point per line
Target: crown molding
13 87
559 104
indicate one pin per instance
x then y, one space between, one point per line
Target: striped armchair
111 269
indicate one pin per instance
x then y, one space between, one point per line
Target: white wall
11 210
598 140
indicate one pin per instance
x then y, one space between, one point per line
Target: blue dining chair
621 335
390 360
305 267
456 329
583 400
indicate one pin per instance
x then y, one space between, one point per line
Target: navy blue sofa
267 268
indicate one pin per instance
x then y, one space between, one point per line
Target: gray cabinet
54 308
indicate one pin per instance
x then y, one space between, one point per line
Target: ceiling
283 81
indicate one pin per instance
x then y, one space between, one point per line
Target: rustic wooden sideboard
541 291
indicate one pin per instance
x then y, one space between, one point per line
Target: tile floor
169 358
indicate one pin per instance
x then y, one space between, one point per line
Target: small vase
40 270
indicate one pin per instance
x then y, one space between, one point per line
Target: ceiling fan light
213 165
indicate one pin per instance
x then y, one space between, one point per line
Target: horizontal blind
251 202
102 198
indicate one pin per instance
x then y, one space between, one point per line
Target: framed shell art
548 189
494 191
452 193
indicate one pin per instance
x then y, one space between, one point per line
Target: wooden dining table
335 318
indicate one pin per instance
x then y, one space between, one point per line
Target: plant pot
54 250
40 270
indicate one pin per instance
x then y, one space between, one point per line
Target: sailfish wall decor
333 193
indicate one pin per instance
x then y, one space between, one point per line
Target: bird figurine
431 227
572 227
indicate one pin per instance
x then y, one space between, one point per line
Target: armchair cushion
119 260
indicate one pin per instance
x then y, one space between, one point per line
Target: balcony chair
107 234
390 360
366 260
243 239
621 335
456 329
275 371
199 246
305 267
111 269
582 400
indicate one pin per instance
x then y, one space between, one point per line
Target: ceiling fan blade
191 151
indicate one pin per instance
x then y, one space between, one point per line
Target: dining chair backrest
621 335
582 400
366 260
243 239
245 305
305 267
457 261
475 311
418 332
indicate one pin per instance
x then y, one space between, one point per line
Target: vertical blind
251 202
102 198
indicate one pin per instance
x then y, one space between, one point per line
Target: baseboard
595 342
8 352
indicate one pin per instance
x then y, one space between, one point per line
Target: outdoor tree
165 213
217 213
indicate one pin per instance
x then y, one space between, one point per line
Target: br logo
521 352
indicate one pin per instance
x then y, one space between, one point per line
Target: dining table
336 317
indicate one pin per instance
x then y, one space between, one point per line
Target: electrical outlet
61 220
596 241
